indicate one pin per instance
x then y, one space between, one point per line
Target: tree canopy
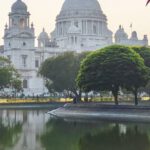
144 52
8 74
111 68
61 71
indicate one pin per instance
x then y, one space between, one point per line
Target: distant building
80 26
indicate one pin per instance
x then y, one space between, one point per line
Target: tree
144 52
16 85
111 68
5 73
61 71
8 74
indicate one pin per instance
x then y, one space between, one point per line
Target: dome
120 33
81 5
43 35
81 8
134 35
19 6
74 30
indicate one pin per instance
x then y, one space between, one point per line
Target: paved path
104 112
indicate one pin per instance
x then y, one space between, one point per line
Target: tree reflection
60 135
9 135
113 139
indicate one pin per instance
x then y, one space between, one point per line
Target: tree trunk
116 99
136 96
78 96
115 94
149 94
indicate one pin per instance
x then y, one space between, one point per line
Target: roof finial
6 26
32 25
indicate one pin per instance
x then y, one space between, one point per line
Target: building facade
80 26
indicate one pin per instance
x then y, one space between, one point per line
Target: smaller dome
74 30
18 7
134 36
43 35
120 33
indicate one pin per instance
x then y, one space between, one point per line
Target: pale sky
124 12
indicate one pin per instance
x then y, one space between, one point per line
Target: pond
36 130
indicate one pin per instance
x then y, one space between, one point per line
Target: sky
118 12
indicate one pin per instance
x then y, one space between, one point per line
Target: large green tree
61 71
144 52
111 68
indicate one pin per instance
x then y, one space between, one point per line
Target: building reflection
32 125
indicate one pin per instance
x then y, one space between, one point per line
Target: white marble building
80 26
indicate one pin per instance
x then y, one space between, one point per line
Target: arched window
36 63
94 29
25 84
72 40
61 31
24 60
76 23
22 23
76 40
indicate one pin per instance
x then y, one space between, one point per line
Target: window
72 40
75 40
24 60
22 23
9 57
37 63
25 84
76 24
94 29
61 31
24 43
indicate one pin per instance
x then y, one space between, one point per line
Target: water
36 130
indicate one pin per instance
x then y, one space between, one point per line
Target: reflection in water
35 130
113 139
20 130
102 136
9 135
65 136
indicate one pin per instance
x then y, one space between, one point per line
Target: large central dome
82 24
81 5
81 8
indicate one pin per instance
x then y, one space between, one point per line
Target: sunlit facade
81 25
